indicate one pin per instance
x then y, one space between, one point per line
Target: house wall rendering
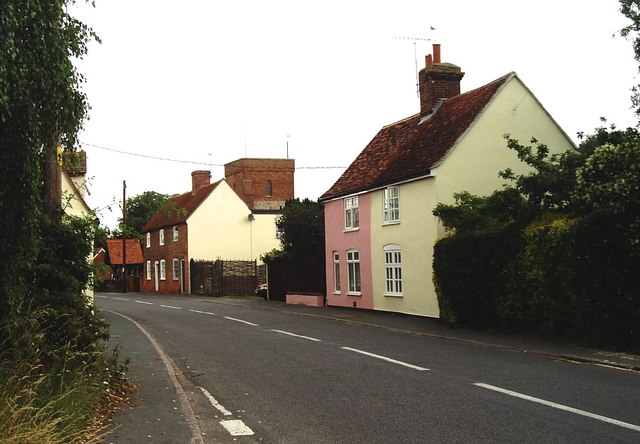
353 248
413 236
224 227
482 152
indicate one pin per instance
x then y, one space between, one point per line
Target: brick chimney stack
199 179
437 81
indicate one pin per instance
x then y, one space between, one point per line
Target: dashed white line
384 358
143 302
297 336
120 299
215 402
560 407
236 427
202 312
171 306
240 320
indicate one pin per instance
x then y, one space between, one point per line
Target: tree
301 230
140 209
631 10
41 103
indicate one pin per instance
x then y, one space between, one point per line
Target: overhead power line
192 162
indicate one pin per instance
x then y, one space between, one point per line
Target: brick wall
170 250
263 184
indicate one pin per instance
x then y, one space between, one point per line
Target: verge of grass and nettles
53 392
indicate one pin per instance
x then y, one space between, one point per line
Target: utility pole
124 236
53 177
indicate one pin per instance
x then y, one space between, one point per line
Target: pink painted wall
336 239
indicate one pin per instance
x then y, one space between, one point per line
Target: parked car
262 290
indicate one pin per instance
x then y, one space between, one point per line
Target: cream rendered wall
73 204
482 152
220 228
416 233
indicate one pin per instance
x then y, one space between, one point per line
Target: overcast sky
206 82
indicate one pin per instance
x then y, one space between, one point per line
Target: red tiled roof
134 251
407 150
178 209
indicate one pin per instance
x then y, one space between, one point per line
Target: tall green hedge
575 279
470 274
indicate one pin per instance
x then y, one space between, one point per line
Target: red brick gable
134 251
179 208
409 149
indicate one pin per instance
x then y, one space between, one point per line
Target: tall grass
50 395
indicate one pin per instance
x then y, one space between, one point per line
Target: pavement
154 414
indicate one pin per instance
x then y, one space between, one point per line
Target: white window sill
349 230
337 293
392 222
354 293
393 295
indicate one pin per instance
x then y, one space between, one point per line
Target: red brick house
233 218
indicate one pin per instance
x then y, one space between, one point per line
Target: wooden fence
291 276
226 277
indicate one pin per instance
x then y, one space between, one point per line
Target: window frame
391 205
148 240
161 236
354 274
148 270
393 284
175 234
336 273
163 270
175 268
351 208
268 188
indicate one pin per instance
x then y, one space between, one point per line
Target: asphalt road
276 377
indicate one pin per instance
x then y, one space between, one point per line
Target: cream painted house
233 218
380 229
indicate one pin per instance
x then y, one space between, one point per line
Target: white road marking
171 306
215 403
240 320
560 407
202 312
120 299
297 336
236 427
144 302
100 296
384 358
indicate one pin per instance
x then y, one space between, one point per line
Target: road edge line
172 371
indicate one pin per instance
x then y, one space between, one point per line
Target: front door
156 276
183 273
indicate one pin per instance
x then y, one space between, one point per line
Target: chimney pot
428 60
436 53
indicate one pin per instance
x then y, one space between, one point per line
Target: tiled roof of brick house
134 251
412 147
178 208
